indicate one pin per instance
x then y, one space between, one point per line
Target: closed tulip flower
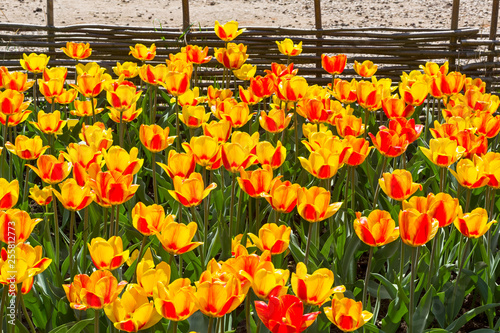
284 314
316 288
275 121
471 173
82 154
190 191
124 116
176 300
293 89
205 149
34 63
235 156
155 138
377 229
322 163
443 151
122 97
179 164
52 170
334 64
133 311
49 123
89 85
248 97
77 51
150 219
256 183
96 291
143 53
16 226
149 275
286 47
345 91
414 95
313 110
12 102
26 148
73 196
347 314
17 81
233 57
313 204
452 83
262 86
474 224
9 193
176 83
128 69
197 54
111 191
359 150
389 143
443 208
153 74
398 185
366 68
349 125
227 32
395 108
67 96
119 160
267 154
91 68
283 195
269 281
107 254
220 130
194 116
369 96
41 196
272 238
416 228
84 108
487 125
473 144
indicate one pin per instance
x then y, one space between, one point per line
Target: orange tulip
405 127
431 68
347 314
190 191
227 32
268 155
334 64
197 55
349 125
190 98
286 47
153 74
268 282
126 116
49 123
471 173
316 288
359 150
474 224
150 219
443 151
313 204
233 57
179 164
323 163
345 91
96 291
293 89
416 228
245 72
398 185
12 102
194 116
492 168
17 81
111 191
50 169
487 125
118 160
143 53
16 226
256 183
395 107
84 108
67 96
175 301
107 254
377 229
219 130
41 196
205 150
14 119
121 97
155 138
148 276
313 110
128 69
97 136
276 121
73 196
34 63
452 83
89 85
77 51
236 156
176 238
26 148
272 238
176 83
283 195
369 96
365 69
248 97
262 86
9 193
444 208
389 143
414 95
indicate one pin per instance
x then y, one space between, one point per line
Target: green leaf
389 287
73 327
463 319
395 313
423 309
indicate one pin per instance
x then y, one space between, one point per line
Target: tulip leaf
295 249
73 327
38 313
395 313
389 287
463 319
422 311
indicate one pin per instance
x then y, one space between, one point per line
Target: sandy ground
282 13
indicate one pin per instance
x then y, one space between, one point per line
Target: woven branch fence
393 49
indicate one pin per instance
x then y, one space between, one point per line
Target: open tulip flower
349 125
398 185
389 143
292 89
149 275
283 195
366 68
395 107
345 91
194 116
471 173
416 228
322 163
316 288
369 96
17 81
107 254
9 193
97 136
262 86
179 164
133 311
27 264
16 226
377 229
190 191
128 69
112 189
124 116
227 32
89 85
444 208
443 151
256 183
452 83
205 150
196 54
34 63
236 156
405 127
84 108
122 96
175 301
233 57
474 224
155 138
267 154
153 74
96 291
41 196
347 314
73 196
245 73
26 148
272 238
143 53
12 102
334 64
77 51
286 47
150 219
313 204
14 119
414 95
50 169
359 150
176 83
118 160
284 314
176 238
49 123
269 281
275 121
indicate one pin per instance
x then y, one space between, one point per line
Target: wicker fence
393 49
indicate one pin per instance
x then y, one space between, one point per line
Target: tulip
377 229
349 125
16 226
50 169
128 69
9 193
111 191
73 196
196 54
17 81
444 208
286 47
96 291
89 85
268 282
133 311
125 116
313 110
122 97
395 108
176 83
77 51
41 196
452 83
416 228
256 183
227 32
155 138
91 68
191 190
235 156
218 130
272 238
119 160
334 64
283 195
84 108
347 314
67 96
97 136
359 150
153 74
204 149
143 53
276 121
233 57
82 154
26 148
268 155
179 164
194 116
34 63
148 276
471 173
389 143
176 238
49 123
369 96
365 69
474 224
150 219
245 73
313 204
293 89
107 254
345 91
404 127
284 314
12 102
443 151
176 301
414 95
14 119
248 97
262 86
323 163
487 125
398 185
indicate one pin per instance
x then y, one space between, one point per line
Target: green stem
367 276
177 130
96 321
432 259
26 181
56 230
309 236
467 200
111 222
174 326
155 190
367 117
155 104
151 119
71 236
442 179
210 324
257 213
200 248
93 110
205 214
402 263
296 133
105 223
247 312
414 255
353 187
2 303
35 89
85 237
231 208
28 319
384 164
117 220
121 130
141 252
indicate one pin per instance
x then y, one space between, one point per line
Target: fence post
493 35
185 14
455 14
50 25
319 35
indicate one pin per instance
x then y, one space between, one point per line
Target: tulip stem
153 163
205 214
56 229
150 102
71 234
296 132
308 244
2 303
174 326
4 155
26 181
353 187
375 199
442 179
367 276
231 208
257 215
210 324
414 256
177 130
202 252
93 110
96 321
402 263
35 95
467 200
155 104
121 130
431 260
247 313
117 220
105 223
21 300
85 237
111 222
367 117
141 251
